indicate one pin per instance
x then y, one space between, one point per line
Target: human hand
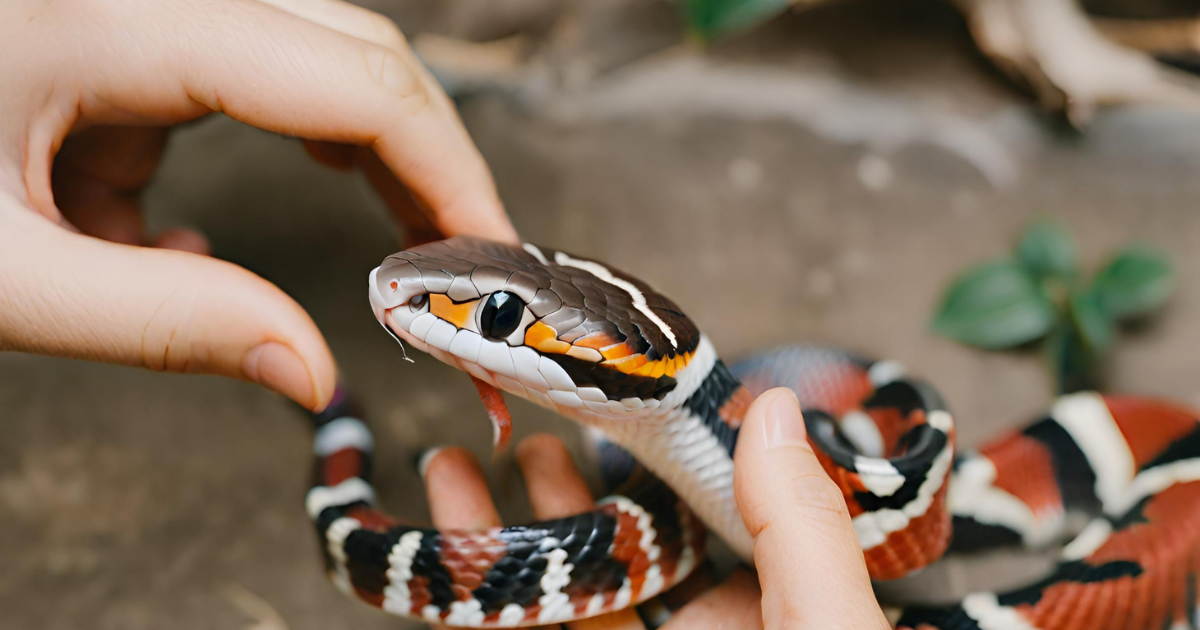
459 499
808 559
104 79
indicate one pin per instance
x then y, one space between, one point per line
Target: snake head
565 332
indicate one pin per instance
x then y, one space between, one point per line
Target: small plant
1039 293
709 19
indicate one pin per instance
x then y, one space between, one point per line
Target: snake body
604 349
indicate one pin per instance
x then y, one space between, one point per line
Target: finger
370 26
98 210
184 240
72 295
420 228
733 604
98 176
702 579
557 490
810 563
458 493
621 620
121 157
271 69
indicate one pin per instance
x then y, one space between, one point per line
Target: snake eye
418 302
501 315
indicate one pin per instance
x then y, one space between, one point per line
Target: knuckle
786 615
166 344
391 75
387 33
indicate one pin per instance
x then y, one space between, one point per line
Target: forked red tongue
497 412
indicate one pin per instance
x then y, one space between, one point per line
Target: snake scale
604 349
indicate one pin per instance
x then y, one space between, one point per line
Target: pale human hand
88 89
811 573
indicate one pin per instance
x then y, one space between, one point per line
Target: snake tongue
497 411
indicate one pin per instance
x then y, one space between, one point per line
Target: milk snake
602 348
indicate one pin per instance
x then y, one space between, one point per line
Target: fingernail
426 458
785 424
276 366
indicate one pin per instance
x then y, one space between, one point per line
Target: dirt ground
820 180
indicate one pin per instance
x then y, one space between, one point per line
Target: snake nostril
394 285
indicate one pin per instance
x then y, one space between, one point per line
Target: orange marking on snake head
616 351
629 364
544 338
445 308
585 354
666 366
595 341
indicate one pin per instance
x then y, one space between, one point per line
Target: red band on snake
604 349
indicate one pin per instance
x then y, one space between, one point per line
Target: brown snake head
569 333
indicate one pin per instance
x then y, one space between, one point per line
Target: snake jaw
391 299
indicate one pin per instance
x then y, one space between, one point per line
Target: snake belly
602 348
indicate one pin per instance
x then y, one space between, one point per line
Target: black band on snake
604 349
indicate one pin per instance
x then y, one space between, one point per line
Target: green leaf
1137 281
1075 368
712 18
994 306
1093 323
1046 249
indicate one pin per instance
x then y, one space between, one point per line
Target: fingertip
424 458
777 396
458 492
481 215
762 428
783 422
556 489
277 367
440 462
540 445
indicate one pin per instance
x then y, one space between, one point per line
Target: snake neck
689 442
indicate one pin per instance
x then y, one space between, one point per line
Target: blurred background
813 172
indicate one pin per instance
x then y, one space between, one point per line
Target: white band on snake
605 350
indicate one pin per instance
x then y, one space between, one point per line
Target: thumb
70 295
809 561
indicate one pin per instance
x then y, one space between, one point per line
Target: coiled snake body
604 349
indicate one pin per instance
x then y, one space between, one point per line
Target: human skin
89 90
810 569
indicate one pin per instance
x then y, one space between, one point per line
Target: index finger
169 62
